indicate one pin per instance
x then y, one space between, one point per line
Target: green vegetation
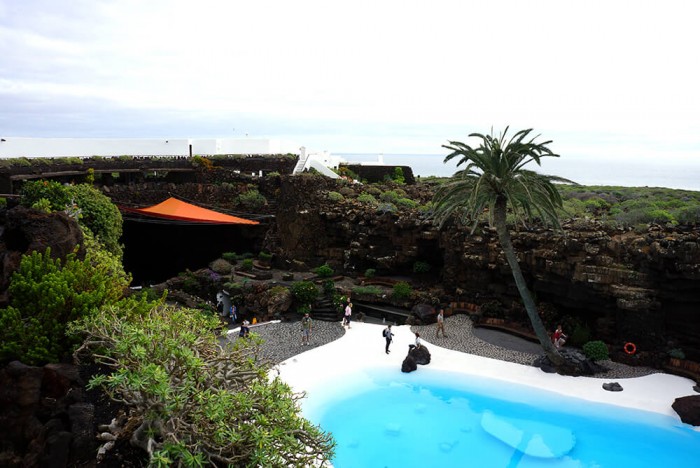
193 404
335 196
264 256
402 290
85 203
221 266
251 198
631 206
47 294
596 350
370 273
421 267
367 198
247 264
305 292
324 271
367 291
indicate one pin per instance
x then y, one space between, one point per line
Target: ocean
668 173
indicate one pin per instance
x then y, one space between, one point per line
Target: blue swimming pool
425 420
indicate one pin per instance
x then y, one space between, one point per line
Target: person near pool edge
417 344
388 336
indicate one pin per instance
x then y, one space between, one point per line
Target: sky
603 80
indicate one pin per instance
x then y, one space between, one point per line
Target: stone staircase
324 310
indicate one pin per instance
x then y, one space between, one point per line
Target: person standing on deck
388 336
348 314
306 325
440 324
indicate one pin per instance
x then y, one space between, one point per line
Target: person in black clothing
388 336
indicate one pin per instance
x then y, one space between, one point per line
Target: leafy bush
406 203
252 199
676 353
367 290
305 292
386 208
34 191
596 350
99 214
230 257
402 290
367 199
398 176
91 208
247 264
47 294
421 267
202 162
264 256
335 196
324 271
221 266
192 405
370 273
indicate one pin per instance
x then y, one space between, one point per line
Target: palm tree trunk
499 217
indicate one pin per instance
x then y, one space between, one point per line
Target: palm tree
494 179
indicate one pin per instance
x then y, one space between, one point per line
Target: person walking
306 326
388 336
348 315
440 324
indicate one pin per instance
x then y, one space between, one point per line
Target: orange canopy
175 209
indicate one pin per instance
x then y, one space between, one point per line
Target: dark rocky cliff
627 286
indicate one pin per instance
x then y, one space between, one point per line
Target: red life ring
630 348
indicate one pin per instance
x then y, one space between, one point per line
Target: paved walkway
506 340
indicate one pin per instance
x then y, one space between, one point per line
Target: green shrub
264 256
252 199
42 205
193 402
367 199
676 353
596 350
324 271
370 273
398 176
367 290
406 203
335 196
99 214
47 294
421 267
221 266
305 292
402 290
230 257
33 191
247 264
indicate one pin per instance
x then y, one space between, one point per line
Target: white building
11 147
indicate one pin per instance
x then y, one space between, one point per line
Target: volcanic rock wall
628 286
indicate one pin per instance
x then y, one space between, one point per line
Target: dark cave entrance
157 251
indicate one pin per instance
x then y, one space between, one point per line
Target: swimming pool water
412 420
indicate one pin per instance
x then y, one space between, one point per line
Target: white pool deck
362 347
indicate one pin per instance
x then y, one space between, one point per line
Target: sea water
410 420
675 174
